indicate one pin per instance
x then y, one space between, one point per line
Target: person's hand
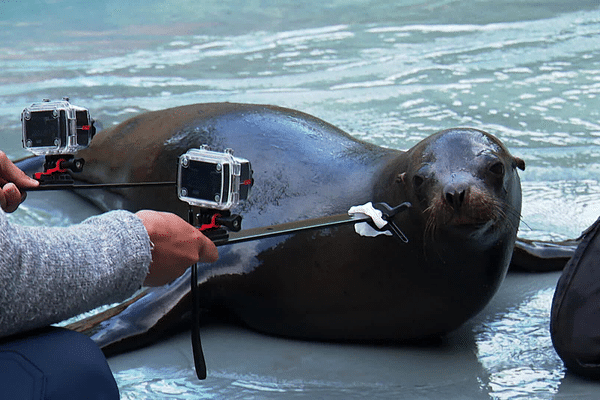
11 179
177 245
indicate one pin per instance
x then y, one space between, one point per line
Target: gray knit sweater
50 274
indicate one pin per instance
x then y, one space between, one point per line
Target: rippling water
390 76
526 71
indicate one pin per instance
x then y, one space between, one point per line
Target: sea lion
331 284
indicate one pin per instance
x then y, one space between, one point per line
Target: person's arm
50 274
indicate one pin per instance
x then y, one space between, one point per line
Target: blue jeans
54 363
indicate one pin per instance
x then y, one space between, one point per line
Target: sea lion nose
455 193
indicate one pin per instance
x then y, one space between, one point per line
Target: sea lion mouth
466 225
468 220
475 214
472 226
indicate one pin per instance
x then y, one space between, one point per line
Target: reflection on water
28 216
162 383
517 351
387 73
165 383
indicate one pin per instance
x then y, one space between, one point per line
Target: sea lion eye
497 168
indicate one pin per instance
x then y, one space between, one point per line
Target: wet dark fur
331 284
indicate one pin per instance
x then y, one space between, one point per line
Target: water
526 71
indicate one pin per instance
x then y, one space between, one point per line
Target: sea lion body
331 284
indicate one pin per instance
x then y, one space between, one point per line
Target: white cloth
363 228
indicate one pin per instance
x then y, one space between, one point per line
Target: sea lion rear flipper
542 256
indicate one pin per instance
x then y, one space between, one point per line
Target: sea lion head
463 181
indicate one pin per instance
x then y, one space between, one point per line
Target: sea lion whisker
431 223
524 222
509 213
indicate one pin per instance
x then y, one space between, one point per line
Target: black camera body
56 127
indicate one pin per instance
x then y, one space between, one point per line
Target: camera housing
56 127
213 180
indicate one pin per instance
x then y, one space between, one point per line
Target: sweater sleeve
51 274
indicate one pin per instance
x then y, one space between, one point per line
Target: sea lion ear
400 178
520 163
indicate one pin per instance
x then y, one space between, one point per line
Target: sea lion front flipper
89 325
143 320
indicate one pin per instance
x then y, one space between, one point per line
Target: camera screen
204 182
43 128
